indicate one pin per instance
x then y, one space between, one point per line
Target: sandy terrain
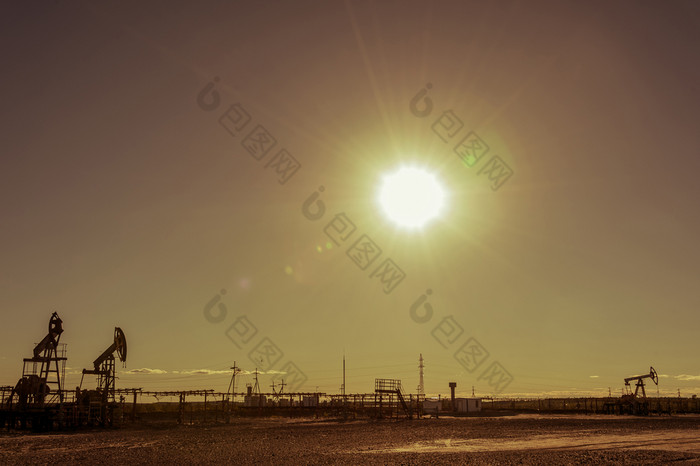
523 439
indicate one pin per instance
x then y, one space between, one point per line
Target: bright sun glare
411 197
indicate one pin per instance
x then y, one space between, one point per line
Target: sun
411 197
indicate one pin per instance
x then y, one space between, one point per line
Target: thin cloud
594 376
146 370
686 377
201 372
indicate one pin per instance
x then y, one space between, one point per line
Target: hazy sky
126 202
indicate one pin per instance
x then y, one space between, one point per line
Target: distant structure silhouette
421 386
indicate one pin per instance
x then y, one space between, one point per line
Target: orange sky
126 202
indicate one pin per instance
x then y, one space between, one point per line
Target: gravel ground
524 439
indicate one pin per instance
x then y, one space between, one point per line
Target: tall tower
232 386
256 387
421 386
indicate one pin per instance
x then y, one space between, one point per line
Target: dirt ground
522 439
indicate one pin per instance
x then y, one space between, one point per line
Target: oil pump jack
38 394
101 401
633 403
39 400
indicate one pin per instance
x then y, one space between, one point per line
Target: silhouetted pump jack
104 366
636 403
33 389
640 382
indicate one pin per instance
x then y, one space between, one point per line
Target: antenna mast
421 387
256 388
232 385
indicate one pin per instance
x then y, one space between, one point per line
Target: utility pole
421 387
342 389
473 396
232 385
274 392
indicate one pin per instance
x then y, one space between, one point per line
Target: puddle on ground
679 441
